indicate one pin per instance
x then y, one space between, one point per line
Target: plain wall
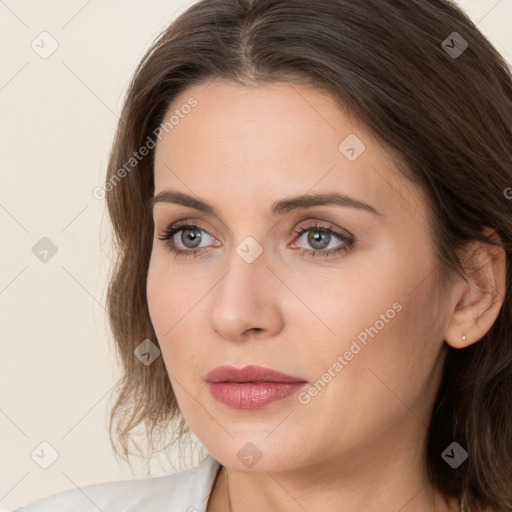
58 365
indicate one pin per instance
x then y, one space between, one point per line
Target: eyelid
327 226
188 222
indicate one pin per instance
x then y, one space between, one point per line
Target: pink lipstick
251 387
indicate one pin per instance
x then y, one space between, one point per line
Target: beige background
58 115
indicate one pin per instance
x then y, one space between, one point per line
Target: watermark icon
249 454
454 45
305 396
352 147
44 250
454 455
174 119
146 352
508 192
249 249
44 455
45 45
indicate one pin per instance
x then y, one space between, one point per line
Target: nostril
254 330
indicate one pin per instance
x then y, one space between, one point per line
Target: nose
246 301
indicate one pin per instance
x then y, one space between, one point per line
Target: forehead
239 121
257 143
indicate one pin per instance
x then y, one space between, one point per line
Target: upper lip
251 373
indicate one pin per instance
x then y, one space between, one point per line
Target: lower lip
252 395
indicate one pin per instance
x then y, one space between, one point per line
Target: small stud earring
464 338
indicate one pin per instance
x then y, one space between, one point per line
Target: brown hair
447 118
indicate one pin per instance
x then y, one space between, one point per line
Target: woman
311 202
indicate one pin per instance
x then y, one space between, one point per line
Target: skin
357 445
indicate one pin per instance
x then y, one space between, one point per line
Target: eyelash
172 230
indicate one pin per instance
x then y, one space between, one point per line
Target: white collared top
185 491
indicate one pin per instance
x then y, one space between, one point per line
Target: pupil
191 236
317 237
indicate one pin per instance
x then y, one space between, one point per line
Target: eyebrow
278 208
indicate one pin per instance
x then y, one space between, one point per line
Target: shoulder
185 491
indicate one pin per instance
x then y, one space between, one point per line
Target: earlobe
479 298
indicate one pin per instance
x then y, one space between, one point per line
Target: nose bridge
243 298
247 271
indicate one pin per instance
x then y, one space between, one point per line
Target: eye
190 237
320 237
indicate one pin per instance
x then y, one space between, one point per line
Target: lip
251 387
251 373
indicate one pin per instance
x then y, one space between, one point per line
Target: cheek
359 302
374 374
169 293
156 292
395 366
175 311
176 314
383 325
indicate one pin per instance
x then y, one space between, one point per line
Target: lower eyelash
349 242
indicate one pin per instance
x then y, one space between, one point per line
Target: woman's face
356 325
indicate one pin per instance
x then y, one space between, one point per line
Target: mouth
251 387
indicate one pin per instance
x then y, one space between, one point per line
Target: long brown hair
429 85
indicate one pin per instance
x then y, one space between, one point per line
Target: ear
479 298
